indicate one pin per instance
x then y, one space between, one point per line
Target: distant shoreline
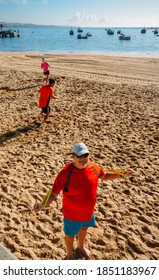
7 25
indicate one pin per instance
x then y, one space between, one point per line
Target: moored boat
110 32
79 36
143 30
123 37
88 34
79 30
155 31
71 32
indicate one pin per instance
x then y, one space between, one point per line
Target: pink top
45 66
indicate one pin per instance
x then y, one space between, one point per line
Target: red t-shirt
79 201
45 66
45 93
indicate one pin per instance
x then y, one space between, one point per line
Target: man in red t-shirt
78 182
46 93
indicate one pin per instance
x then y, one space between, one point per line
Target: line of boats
154 31
80 35
110 31
122 36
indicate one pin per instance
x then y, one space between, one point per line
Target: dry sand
110 103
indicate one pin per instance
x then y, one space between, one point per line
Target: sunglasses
82 156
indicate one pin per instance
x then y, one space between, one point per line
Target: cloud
76 16
103 20
21 2
82 17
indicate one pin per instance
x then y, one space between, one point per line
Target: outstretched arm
112 176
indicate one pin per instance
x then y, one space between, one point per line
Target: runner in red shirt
78 182
46 93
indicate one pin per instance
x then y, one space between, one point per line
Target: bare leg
69 246
47 79
46 117
81 239
39 117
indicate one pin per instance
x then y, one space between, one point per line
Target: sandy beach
112 104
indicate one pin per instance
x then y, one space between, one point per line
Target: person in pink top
45 66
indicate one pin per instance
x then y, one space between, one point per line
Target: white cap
80 149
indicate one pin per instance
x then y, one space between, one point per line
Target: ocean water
42 39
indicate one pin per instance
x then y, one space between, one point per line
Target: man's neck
79 166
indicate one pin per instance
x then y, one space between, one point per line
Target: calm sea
58 40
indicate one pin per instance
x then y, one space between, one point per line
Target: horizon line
75 26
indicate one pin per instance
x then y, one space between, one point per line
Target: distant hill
17 25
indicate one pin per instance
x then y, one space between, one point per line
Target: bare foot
85 252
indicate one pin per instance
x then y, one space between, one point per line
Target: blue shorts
71 228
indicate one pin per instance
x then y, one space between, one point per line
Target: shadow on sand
8 89
11 134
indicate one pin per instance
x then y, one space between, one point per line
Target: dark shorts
71 228
46 110
47 72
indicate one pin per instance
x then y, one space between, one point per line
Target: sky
89 13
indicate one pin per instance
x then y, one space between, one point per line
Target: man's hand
126 173
36 207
